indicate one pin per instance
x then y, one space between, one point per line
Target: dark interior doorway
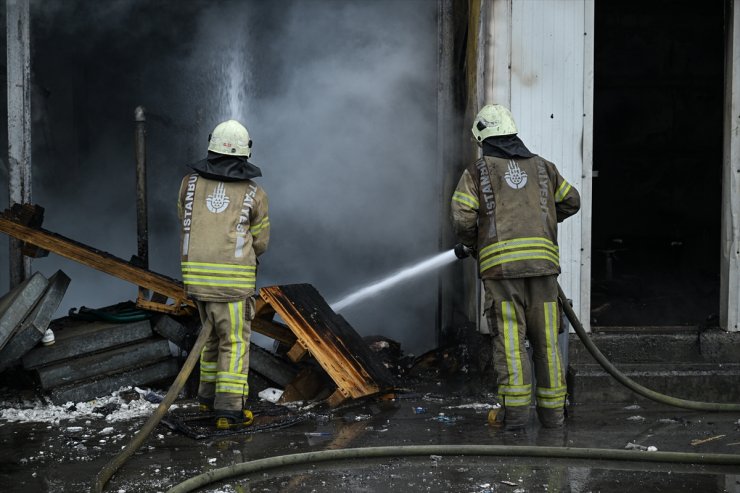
658 105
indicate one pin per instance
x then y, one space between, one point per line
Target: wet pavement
65 456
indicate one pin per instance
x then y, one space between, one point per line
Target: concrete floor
42 457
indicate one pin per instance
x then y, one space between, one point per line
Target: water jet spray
402 275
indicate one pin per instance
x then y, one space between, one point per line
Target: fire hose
111 467
244 468
311 458
490 450
628 382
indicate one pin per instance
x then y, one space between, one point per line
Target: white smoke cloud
340 100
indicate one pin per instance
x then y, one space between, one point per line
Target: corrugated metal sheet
548 46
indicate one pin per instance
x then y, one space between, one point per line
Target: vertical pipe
142 226
19 122
445 135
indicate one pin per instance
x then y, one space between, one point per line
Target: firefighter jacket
224 228
508 210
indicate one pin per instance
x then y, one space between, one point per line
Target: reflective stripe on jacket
508 209
224 228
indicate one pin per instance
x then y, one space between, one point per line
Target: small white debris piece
485 485
106 431
379 345
271 394
652 448
633 407
212 460
435 457
636 418
635 446
74 429
520 490
509 483
667 420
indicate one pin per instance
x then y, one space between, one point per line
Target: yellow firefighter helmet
230 138
493 120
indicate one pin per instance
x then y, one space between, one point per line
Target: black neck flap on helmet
226 168
506 146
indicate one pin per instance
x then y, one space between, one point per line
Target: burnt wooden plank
102 261
273 330
334 344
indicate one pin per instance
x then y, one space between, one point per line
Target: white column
730 254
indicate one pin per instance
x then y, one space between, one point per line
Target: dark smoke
340 99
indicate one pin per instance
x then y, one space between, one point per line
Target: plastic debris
636 418
448 420
509 483
153 397
419 410
106 431
633 407
637 446
271 394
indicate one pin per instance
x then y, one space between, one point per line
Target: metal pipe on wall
142 222
19 123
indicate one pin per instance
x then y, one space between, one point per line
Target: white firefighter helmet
493 120
230 138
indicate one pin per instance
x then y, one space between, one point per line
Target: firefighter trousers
224 360
519 309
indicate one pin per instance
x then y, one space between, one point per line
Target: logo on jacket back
218 201
516 178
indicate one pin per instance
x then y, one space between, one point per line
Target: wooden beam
96 259
297 352
274 330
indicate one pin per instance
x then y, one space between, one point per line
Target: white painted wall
541 65
730 251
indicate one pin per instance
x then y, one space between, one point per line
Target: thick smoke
339 98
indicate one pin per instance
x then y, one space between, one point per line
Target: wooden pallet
328 337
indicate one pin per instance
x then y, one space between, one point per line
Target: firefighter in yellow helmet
506 207
224 228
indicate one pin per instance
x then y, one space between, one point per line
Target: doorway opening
658 116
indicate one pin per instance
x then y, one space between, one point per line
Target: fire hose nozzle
463 251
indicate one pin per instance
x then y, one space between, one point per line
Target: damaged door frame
730 240
498 87
498 44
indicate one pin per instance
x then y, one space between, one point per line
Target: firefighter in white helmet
506 207
224 228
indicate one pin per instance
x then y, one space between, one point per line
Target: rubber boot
205 404
516 418
551 418
226 419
